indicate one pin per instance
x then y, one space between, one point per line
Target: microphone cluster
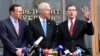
58 51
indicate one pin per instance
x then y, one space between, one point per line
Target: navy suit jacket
35 31
80 29
9 37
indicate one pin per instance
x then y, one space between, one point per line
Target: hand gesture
86 12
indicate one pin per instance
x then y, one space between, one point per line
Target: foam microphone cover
46 51
24 50
60 47
38 41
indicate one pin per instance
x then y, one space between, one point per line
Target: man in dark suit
12 32
42 26
71 32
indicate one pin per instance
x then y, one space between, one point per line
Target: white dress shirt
15 23
41 20
69 22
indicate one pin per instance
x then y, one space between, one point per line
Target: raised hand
86 12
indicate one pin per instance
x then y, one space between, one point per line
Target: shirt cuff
89 21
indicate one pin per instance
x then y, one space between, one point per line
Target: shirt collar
41 19
12 19
73 20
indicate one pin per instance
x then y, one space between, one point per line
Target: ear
12 12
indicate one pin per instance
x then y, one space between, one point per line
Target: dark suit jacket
9 37
35 31
80 29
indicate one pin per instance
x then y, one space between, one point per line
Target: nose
71 12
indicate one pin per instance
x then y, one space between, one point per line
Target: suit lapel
48 28
67 30
20 27
12 26
39 26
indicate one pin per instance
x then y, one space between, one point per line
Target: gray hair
42 5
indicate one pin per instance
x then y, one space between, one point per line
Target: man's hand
19 52
86 12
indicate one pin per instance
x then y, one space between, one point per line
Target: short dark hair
69 6
13 6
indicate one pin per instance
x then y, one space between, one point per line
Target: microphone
36 43
79 51
55 52
40 51
67 52
60 48
24 51
82 50
46 52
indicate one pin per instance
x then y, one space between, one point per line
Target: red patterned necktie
71 28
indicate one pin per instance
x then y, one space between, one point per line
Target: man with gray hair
42 26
